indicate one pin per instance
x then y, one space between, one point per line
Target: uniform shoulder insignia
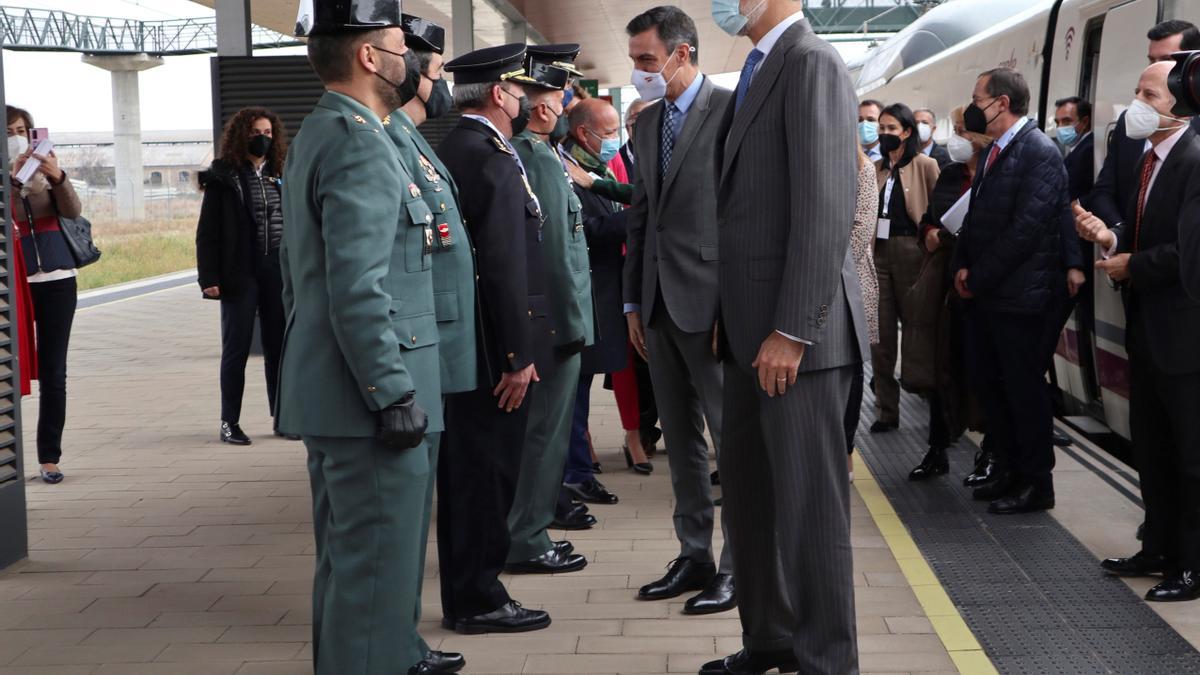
502 146
387 120
359 119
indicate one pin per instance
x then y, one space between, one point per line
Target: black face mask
440 101
974 120
889 142
524 111
562 128
406 89
259 146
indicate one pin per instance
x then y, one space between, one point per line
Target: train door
1122 59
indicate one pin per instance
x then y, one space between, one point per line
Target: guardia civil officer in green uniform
569 291
359 378
485 430
453 262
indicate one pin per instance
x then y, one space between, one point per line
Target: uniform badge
444 235
414 190
387 120
428 241
503 147
360 119
430 171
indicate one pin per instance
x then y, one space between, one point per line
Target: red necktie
992 157
1143 192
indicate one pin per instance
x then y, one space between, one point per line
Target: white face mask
1142 120
652 86
960 149
17 145
925 132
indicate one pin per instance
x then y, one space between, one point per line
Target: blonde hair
978 141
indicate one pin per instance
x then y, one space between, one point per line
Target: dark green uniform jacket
357 278
564 244
453 257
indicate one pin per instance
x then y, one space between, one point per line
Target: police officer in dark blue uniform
485 428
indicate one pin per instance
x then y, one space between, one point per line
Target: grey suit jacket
786 202
672 245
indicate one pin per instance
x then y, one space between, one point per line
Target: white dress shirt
1162 151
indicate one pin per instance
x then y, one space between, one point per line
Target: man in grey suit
671 285
792 328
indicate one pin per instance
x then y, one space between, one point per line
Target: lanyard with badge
883 228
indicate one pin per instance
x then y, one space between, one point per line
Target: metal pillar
516 31
233 27
462 18
127 128
14 524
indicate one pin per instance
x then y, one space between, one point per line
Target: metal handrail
56 30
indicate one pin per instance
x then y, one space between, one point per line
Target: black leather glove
402 425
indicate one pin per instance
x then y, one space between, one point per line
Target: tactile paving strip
1031 593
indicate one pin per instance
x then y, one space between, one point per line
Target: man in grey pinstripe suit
792 328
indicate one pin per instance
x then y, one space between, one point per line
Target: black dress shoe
510 618
436 663
985 470
577 518
935 464
287 437
684 575
564 547
752 663
1027 499
1181 587
1138 565
591 492
1060 439
596 468
719 596
880 427
1000 485
550 562
714 478
232 433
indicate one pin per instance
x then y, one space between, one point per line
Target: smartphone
37 135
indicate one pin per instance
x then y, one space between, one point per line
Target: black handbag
78 233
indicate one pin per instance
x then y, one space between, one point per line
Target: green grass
132 257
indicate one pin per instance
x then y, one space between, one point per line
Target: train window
1091 58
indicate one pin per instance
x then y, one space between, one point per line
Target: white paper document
953 218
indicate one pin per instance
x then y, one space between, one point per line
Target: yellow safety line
964 649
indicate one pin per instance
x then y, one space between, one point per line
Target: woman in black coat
237 253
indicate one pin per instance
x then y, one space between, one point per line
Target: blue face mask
609 147
868 132
1067 135
728 15
568 96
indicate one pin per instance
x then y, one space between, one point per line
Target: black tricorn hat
561 55
423 34
547 76
491 64
324 17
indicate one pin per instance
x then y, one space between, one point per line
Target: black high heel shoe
644 468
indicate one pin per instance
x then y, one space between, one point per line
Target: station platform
165 551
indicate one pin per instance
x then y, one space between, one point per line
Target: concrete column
462 18
127 128
233 27
516 31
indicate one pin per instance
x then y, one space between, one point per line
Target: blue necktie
668 137
752 61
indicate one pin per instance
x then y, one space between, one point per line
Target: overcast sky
65 94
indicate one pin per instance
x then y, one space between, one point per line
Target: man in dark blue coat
1009 266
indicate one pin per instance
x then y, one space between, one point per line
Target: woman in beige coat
905 177
862 241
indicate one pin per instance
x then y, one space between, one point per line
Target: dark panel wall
285 84
14 538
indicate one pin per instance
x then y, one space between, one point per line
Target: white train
1095 49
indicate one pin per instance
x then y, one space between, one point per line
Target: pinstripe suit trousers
787 511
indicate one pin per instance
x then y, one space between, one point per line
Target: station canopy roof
598 25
